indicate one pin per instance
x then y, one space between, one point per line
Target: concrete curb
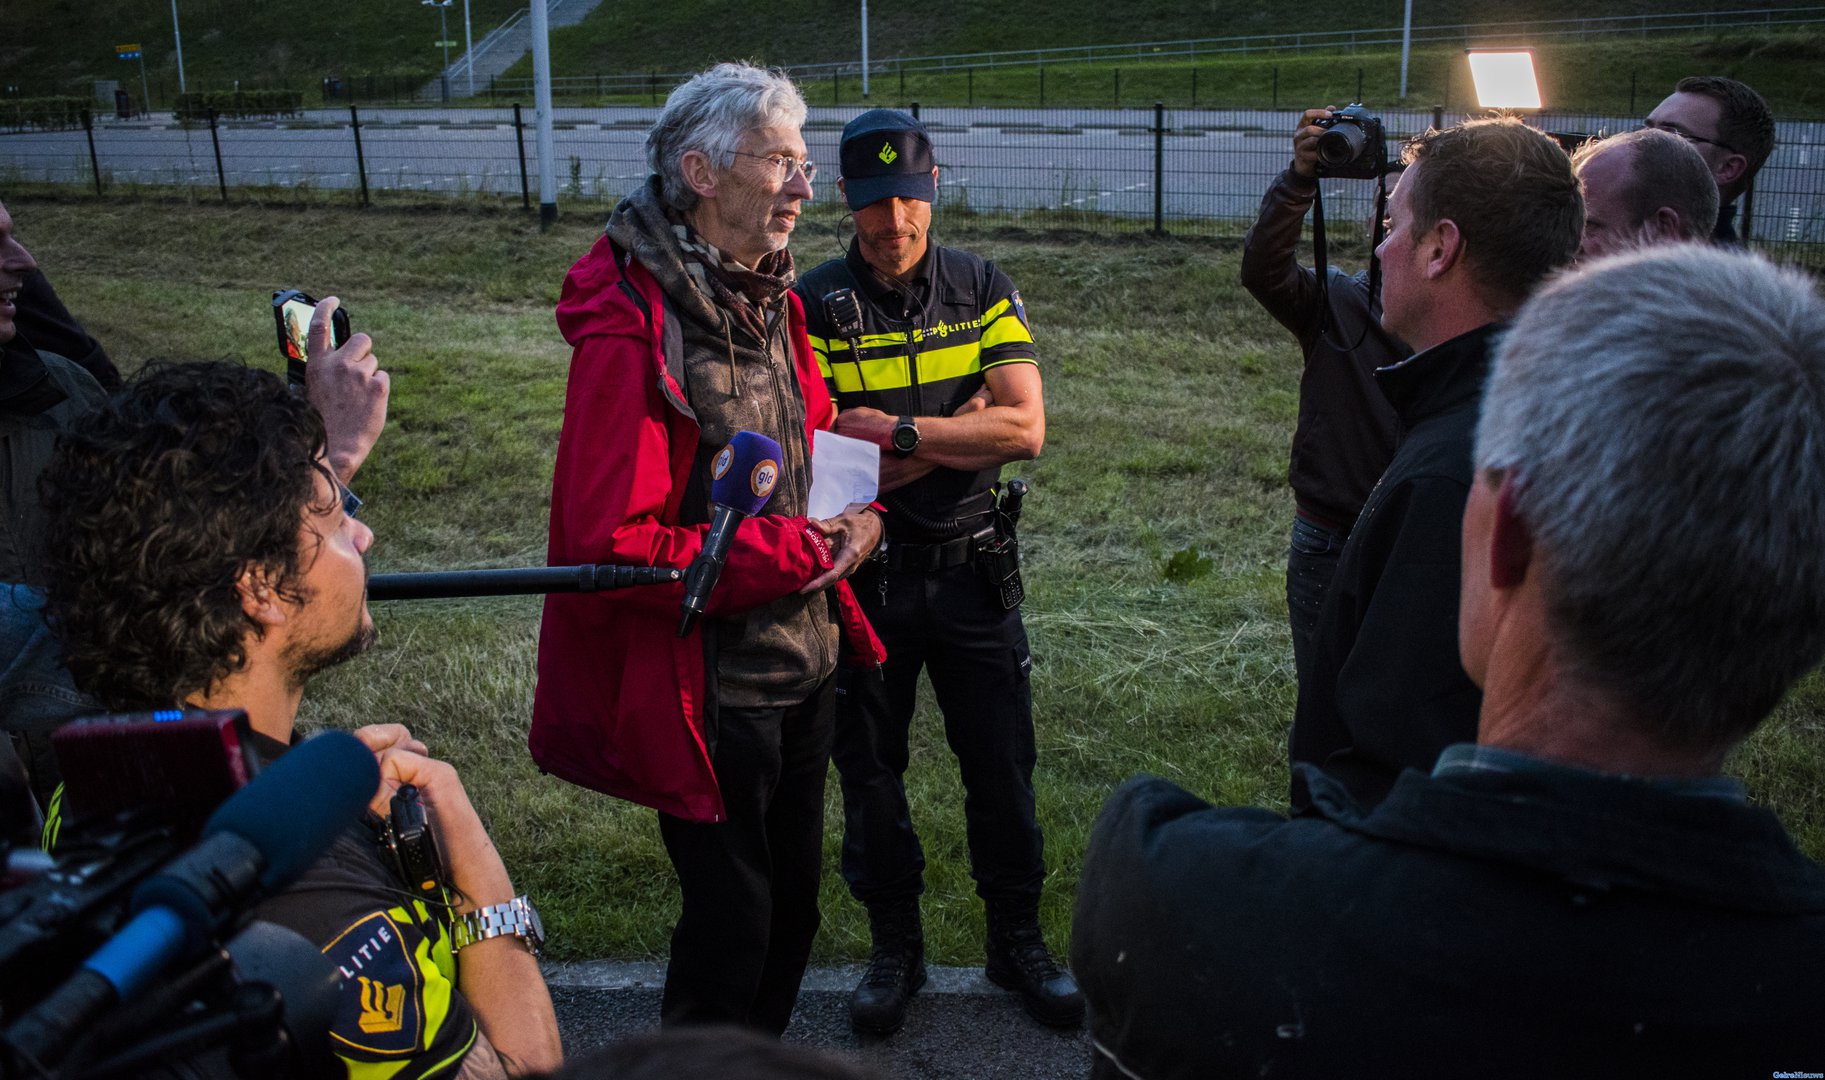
958 1026
835 979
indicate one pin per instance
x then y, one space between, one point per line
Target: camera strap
1321 264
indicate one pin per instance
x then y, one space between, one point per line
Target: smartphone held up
292 310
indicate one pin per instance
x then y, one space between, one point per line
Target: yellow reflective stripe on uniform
821 349
993 364
386 1070
894 373
997 330
53 821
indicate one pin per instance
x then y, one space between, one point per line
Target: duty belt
929 557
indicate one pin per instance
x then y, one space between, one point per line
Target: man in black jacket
1483 213
1579 893
1347 430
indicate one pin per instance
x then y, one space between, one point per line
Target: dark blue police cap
885 153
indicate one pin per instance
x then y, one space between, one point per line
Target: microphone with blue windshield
742 478
261 839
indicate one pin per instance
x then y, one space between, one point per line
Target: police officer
941 374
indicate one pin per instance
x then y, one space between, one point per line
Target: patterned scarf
745 294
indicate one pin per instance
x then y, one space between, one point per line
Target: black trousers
750 882
1311 562
948 623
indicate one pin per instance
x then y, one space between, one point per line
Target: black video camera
1355 146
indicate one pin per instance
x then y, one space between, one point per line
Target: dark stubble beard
307 663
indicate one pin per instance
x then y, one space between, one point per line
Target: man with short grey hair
685 332
1579 892
1643 187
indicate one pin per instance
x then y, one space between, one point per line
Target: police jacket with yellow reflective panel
926 342
399 1015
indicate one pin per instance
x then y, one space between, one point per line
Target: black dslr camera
1355 147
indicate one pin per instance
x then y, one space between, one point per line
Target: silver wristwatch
517 917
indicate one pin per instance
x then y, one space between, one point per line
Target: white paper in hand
843 471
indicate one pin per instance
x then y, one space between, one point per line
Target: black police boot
1018 961
895 972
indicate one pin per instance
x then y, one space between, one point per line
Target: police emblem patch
380 1004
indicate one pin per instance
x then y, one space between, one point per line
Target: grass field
1604 75
56 46
1171 399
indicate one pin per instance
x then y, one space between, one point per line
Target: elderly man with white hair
685 332
1579 892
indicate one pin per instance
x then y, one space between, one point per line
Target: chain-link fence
1179 171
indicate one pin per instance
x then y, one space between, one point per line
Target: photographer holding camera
1346 430
204 558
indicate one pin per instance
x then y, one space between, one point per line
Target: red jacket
620 698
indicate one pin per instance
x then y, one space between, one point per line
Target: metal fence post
915 110
836 93
1631 93
1358 97
519 136
902 82
652 86
88 127
1438 118
1276 86
1042 86
1118 88
971 76
361 161
1159 168
1194 87
221 177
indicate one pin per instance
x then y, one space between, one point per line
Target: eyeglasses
1675 129
351 503
786 166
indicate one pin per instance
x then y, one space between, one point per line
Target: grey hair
1664 170
709 113
1664 413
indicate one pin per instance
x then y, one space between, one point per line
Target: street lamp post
1406 47
443 39
468 48
177 35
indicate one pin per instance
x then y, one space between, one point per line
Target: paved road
1215 162
960 1027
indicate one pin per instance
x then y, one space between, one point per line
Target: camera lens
1341 144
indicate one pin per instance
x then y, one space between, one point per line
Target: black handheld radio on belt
998 555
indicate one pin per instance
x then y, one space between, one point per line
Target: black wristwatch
905 438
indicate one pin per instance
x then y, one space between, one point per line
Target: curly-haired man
204 557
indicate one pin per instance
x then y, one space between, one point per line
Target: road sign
127 52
